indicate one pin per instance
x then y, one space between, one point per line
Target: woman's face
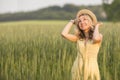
84 22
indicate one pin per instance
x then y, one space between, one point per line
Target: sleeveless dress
85 66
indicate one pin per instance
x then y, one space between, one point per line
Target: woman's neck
86 34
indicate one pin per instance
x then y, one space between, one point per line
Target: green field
35 50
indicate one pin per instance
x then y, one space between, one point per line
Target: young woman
88 41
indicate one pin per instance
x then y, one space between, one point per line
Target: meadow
35 50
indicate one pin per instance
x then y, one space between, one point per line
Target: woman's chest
87 44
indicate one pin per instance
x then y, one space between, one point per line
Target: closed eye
85 19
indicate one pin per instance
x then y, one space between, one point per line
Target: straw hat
90 13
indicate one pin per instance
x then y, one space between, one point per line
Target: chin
83 29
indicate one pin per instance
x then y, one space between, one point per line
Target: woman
88 41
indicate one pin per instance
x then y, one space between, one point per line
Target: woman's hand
97 37
99 24
74 21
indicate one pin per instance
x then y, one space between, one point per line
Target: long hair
80 33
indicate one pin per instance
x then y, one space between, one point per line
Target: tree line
112 10
68 11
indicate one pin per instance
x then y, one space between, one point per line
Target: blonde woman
88 41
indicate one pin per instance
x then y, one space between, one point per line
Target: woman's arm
97 37
65 33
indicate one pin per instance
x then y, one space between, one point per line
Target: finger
99 24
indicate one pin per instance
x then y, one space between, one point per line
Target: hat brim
90 13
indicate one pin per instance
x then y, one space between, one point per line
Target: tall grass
35 50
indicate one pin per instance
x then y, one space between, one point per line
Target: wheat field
35 50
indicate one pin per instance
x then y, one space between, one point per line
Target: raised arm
97 37
65 33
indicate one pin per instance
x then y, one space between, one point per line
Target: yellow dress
85 66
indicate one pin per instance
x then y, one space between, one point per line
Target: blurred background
31 45
11 10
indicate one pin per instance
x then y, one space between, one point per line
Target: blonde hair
79 33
